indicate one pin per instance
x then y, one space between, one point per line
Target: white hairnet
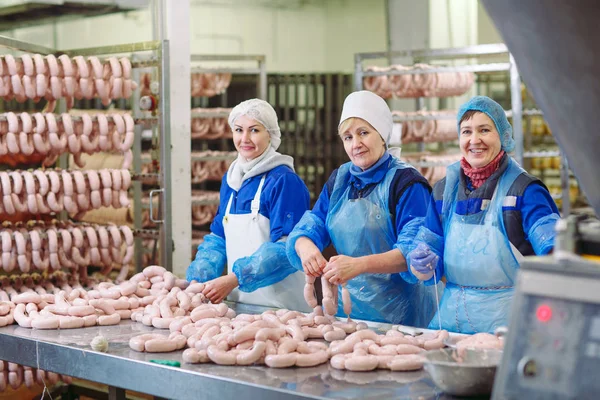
372 108
262 112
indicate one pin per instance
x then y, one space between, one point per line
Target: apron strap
229 204
255 205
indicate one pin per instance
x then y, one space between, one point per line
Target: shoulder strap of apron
255 205
229 204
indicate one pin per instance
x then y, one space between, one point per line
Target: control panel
552 350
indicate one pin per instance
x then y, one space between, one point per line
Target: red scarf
478 176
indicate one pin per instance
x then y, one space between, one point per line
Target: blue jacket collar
374 174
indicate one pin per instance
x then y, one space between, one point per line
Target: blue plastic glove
422 259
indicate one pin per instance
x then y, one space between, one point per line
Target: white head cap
262 112
372 108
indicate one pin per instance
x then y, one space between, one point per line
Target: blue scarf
373 174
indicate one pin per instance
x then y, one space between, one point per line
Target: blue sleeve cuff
431 239
210 260
542 234
268 265
312 227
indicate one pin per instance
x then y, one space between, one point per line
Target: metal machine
553 346
552 350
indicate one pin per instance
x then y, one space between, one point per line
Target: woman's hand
340 269
312 259
217 289
423 262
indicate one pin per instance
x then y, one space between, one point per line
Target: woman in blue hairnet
370 209
262 199
488 214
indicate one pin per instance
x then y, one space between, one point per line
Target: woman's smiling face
479 140
250 137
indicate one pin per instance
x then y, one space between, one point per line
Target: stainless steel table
68 352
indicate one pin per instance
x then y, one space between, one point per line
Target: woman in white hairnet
370 209
262 199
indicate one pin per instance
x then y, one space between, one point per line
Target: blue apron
480 263
362 227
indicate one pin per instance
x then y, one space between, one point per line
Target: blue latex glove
422 259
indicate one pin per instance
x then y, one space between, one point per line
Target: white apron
244 234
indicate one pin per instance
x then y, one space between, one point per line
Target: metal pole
565 186
137 169
262 80
517 109
176 147
358 73
166 241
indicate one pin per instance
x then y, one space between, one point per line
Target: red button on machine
544 313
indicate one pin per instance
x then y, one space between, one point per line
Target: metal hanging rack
159 60
516 112
260 70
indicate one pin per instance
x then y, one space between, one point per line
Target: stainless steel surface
210 114
456 52
581 289
544 154
137 169
114 49
565 185
517 110
68 352
494 67
558 53
22 13
19 45
262 79
150 202
436 117
472 376
228 156
198 202
166 238
223 70
227 57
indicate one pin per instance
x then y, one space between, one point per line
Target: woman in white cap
262 199
370 209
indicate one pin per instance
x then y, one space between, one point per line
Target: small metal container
472 376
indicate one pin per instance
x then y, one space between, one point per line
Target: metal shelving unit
260 69
471 53
159 60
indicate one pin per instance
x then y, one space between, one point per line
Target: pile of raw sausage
52 191
481 341
35 77
278 339
206 127
51 135
440 84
